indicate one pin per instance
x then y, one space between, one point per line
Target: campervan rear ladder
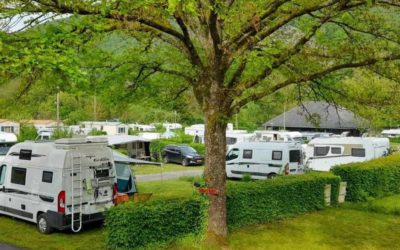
76 192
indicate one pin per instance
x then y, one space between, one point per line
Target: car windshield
4 148
188 150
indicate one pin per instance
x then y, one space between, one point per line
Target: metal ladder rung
76 191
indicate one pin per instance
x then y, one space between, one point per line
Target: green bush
27 132
263 201
134 225
376 178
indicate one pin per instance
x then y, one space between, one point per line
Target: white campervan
60 184
263 160
322 154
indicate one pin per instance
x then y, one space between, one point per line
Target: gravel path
168 175
8 247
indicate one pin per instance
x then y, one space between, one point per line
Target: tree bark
215 112
215 140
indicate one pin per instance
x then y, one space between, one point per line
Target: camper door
295 160
3 169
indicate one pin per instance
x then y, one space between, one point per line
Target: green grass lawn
151 169
347 227
168 189
387 205
24 234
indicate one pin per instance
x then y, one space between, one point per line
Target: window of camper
232 154
121 130
47 177
247 154
230 140
18 175
358 152
321 151
336 150
277 155
295 156
2 174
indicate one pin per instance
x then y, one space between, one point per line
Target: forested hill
102 74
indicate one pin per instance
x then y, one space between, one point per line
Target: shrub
27 132
134 225
264 201
376 178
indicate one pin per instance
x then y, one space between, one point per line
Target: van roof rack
81 140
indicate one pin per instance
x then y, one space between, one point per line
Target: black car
182 154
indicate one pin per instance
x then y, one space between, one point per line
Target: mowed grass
333 228
387 205
153 169
170 189
24 234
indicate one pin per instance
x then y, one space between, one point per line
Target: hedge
376 178
264 201
134 225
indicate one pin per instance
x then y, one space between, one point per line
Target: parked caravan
322 154
58 185
264 160
272 135
6 142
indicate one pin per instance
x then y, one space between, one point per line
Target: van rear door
92 186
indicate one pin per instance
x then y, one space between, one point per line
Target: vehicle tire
43 224
166 159
271 176
185 162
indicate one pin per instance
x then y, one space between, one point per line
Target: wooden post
328 189
342 192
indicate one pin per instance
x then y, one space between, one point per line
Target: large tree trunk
215 139
215 112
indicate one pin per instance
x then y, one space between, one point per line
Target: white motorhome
6 141
322 154
58 185
263 160
272 135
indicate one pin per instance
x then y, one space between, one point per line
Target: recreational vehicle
271 135
263 160
6 141
58 185
322 154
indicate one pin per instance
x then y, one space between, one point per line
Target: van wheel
166 160
43 224
185 162
271 176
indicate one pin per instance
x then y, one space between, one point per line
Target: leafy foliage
264 201
27 133
375 178
133 225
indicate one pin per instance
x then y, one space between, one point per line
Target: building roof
121 158
121 139
317 115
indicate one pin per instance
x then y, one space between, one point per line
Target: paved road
168 175
8 247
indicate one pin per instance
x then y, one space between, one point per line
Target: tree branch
253 37
305 78
285 56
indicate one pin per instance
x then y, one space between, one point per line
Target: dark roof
317 115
